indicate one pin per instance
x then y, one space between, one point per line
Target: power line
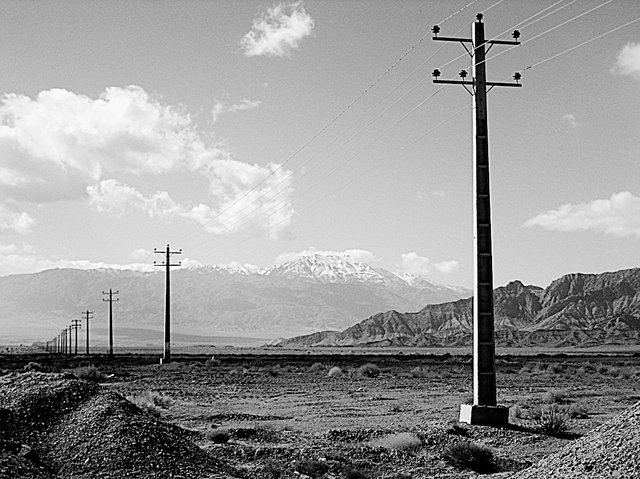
166 354
580 45
348 107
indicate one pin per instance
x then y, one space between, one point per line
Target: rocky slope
308 294
577 309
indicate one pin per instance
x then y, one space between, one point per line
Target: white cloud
277 32
412 263
617 216
65 146
361 255
571 120
628 60
20 222
245 105
141 254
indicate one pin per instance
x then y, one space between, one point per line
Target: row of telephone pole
63 343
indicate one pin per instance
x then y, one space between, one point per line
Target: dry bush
89 373
316 368
350 473
578 411
311 467
419 372
403 441
470 455
458 430
551 419
335 372
369 370
212 363
218 436
273 371
554 397
515 412
151 401
33 366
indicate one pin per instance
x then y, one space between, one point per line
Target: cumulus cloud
20 222
361 255
278 31
618 215
65 146
571 120
628 60
413 263
245 105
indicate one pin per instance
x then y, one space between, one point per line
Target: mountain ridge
576 309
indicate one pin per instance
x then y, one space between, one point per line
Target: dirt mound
55 426
609 451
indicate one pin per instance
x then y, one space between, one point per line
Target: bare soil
283 416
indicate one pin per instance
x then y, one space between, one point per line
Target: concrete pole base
484 415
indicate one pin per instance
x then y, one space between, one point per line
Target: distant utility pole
87 315
484 410
76 324
166 355
69 328
111 300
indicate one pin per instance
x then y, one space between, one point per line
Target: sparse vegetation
470 455
578 410
88 373
212 362
218 436
554 397
404 441
369 370
551 419
151 401
311 467
419 372
458 430
33 366
316 368
335 372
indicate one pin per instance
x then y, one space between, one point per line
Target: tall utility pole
484 410
76 324
69 328
111 300
166 354
87 315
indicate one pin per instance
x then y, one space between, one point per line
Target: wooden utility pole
166 354
484 410
76 324
111 300
87 315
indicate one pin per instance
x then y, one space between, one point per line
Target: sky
250 132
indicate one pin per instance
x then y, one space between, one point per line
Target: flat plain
281 415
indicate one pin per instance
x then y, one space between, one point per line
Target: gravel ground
55 426
610 451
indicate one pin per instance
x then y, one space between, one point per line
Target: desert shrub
335 372
403 441
556 369
626 373
458 430
554 397
470 455
602 369
151 401
551 419
273 371
577 411
515 411
418 372
33 366
316 368
311 467
218 436
212 363
369 370
350 473
88 373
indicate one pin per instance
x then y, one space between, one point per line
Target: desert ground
257 414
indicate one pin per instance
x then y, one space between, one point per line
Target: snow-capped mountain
310 293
